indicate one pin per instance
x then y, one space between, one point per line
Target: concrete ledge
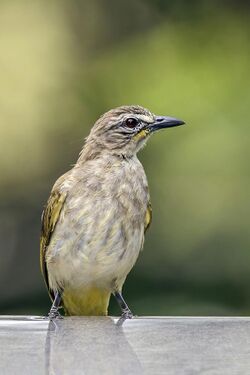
145 345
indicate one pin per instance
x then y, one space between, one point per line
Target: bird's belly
100 231
104 260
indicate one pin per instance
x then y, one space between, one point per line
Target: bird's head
124 130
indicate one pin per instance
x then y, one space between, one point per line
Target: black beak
162 122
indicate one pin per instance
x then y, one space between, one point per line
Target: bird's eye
131 122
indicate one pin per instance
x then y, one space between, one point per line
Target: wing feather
148 217
50 218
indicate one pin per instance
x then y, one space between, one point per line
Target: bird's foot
54 314
127 314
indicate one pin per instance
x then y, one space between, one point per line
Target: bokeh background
62 64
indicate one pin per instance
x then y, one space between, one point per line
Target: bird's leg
54 313
126 312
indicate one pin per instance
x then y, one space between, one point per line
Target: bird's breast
101 229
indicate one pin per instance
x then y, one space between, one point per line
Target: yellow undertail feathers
86 301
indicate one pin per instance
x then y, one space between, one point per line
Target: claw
54 315
127 314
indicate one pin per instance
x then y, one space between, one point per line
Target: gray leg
54 313
126 312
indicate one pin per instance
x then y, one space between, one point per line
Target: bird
95 219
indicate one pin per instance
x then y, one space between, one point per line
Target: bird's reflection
90 345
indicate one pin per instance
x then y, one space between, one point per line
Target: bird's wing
50 217
148 217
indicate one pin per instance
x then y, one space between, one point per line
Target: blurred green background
63 63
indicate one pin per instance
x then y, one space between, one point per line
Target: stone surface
153 345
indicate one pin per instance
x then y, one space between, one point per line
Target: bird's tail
86 301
